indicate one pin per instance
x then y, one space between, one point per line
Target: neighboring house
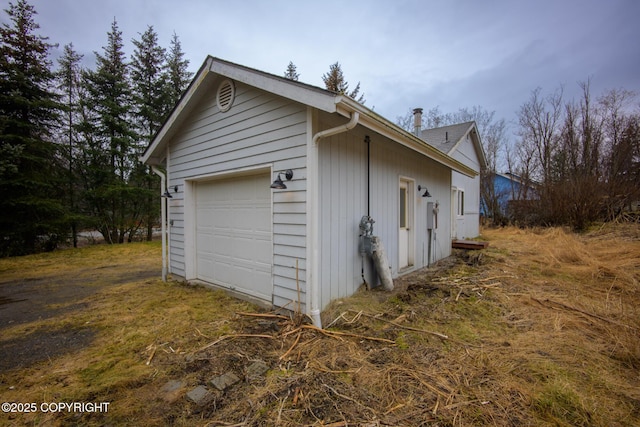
510 192
461 142
237 133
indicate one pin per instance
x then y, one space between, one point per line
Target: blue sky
405 54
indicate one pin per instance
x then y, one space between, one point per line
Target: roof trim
300 92
379 124
437 138
154 154
312 96
296 91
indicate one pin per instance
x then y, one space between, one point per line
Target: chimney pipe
417 121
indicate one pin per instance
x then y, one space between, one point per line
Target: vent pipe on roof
417 121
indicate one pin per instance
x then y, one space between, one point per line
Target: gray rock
199 395
224 381
257 369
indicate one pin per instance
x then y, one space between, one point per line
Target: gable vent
225 96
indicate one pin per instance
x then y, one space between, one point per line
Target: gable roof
448 138
303 93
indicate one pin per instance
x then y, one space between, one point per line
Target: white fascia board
295 91
378 124
479 148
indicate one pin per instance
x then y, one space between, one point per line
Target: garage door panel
233 228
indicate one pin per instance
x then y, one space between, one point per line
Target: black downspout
368 141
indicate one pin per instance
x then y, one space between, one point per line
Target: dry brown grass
542 328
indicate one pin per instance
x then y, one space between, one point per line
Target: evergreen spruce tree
178 74
111 144
150 96
69 81
291 73
149 82
32 215
334 81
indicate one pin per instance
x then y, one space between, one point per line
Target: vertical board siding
469 226
343 201
259 129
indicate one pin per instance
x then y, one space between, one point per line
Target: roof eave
155 152
377 123
299 92
295 91
317 98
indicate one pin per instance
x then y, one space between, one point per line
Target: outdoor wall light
168 195
278 184
426 191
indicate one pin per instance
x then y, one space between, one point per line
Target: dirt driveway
26 298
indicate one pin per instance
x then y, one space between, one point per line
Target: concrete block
224 381
257 369
199 395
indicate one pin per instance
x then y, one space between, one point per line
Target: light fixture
426 191
278 184
168 195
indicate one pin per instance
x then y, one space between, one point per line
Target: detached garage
270 180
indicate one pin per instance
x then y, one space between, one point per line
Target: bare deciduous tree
581 152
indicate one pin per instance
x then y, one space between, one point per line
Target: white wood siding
343 201
260 129
469 226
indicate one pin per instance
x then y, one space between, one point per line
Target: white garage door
233 234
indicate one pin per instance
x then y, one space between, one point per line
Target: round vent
226 94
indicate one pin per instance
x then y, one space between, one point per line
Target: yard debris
153 353
396 324
153 348
224 337
291 348
338 334
558 305
267 315
456 344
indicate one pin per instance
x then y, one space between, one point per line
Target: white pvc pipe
163 204
313 198
381 263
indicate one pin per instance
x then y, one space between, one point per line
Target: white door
404 226
233 234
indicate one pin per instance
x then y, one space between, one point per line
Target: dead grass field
542 328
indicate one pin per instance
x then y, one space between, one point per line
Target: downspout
168 222
367 141
315 214
163 204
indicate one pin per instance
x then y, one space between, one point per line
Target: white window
460 203
403 207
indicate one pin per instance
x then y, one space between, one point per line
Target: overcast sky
405 54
